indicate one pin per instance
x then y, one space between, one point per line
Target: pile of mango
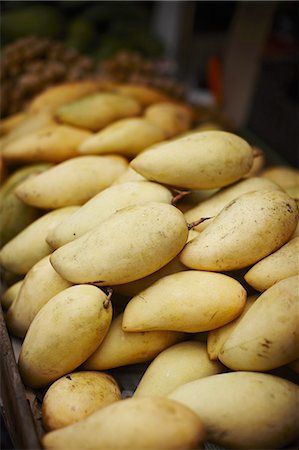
140 237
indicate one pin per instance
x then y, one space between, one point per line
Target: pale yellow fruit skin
257 344
244 409
293 191
296 232
64 333
217 337
96 111
131 244
71 182
30 124
129 175
249 228
126 137
172 118
214 204
134 287
103 205
174 266
30 246
76 396
55 96
120 348
15 214
179 364
135 423
40 284
283 175
145 95
203 160
54 143
283 263
190 301
10 122
10 294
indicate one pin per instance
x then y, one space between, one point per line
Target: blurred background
237 59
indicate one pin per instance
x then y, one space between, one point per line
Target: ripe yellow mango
126 137
134 423
244 409
103 205
129 175
40 284
132 243
214 204
173 118
15 214
145 95
285 176
54 96
28 125
249 228
30 246
64 333
10 294
10 122
94 112
217 337
190 301
76 396
54 143
177 365
281 264
120 348
71 182
267 336
203 160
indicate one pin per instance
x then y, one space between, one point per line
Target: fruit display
149 249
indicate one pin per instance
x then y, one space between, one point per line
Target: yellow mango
64 333
203 160
120 348
71 182
134 423
132 243
249 228
189 301
76 396
267 336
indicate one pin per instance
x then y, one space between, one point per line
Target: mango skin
203 160
65 332
244 410
103 205
94 112
249 228
257 344
132 243
71 182
189 301
212 206
30 246
120 348
15 214
217 337
40 284
178 364
76 396
134 423
281 264
10 294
